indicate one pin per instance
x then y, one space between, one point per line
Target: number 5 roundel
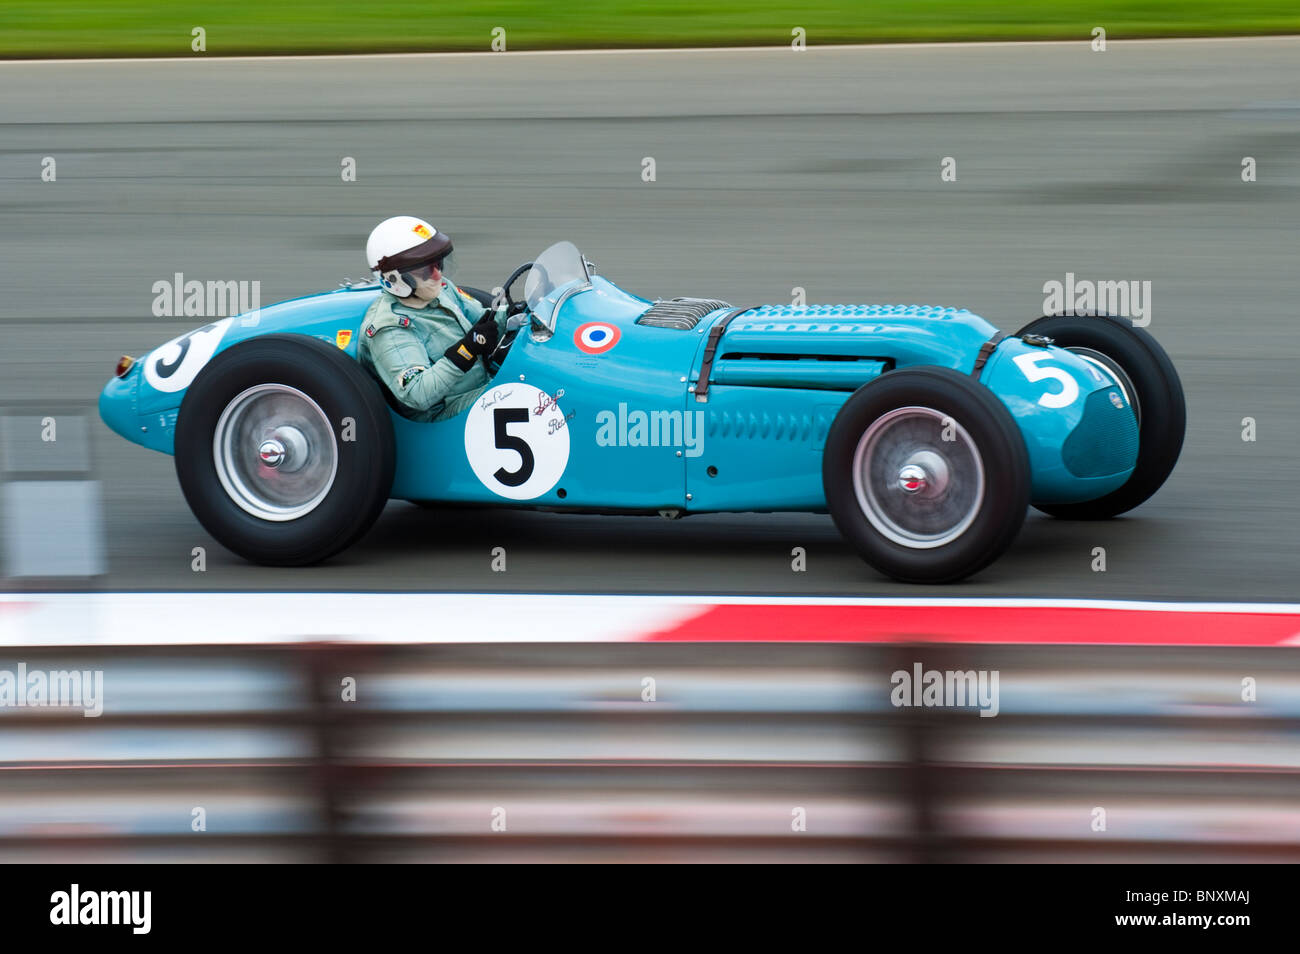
517 441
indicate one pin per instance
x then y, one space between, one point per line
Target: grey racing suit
404 347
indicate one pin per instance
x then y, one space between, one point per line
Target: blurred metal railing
552 752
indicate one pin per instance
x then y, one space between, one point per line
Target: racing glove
479 340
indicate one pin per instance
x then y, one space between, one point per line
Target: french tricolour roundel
596 337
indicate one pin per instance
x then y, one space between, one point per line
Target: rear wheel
284 450
926 474
1137 363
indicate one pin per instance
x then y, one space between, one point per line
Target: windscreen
553 274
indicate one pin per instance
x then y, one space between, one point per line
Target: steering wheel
513 307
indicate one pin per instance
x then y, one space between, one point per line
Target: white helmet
400 251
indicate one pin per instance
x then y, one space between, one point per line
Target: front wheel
285 450
926 474
1135 361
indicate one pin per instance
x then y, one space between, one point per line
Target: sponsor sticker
343 338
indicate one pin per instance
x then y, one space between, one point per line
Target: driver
425 339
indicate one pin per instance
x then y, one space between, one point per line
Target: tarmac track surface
775 169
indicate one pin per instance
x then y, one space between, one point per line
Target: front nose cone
117 407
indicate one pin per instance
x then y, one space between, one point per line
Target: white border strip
1170 606
159 619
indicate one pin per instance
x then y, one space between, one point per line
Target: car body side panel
757 430
637 437
622 409
764 446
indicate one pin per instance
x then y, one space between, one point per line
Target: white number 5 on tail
1029 367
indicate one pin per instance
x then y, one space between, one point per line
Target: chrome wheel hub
913 479
286 449
275 452
918 477
925 473
272 453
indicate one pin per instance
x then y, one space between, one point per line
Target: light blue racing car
923 431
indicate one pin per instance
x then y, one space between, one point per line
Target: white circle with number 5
517 440
173 366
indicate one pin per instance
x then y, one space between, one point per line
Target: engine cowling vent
682 314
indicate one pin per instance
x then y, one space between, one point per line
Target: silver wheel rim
1112 370
917 489
275 452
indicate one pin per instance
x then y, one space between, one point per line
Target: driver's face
426 280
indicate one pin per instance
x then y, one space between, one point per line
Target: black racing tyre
268 459
926 474
1145 373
